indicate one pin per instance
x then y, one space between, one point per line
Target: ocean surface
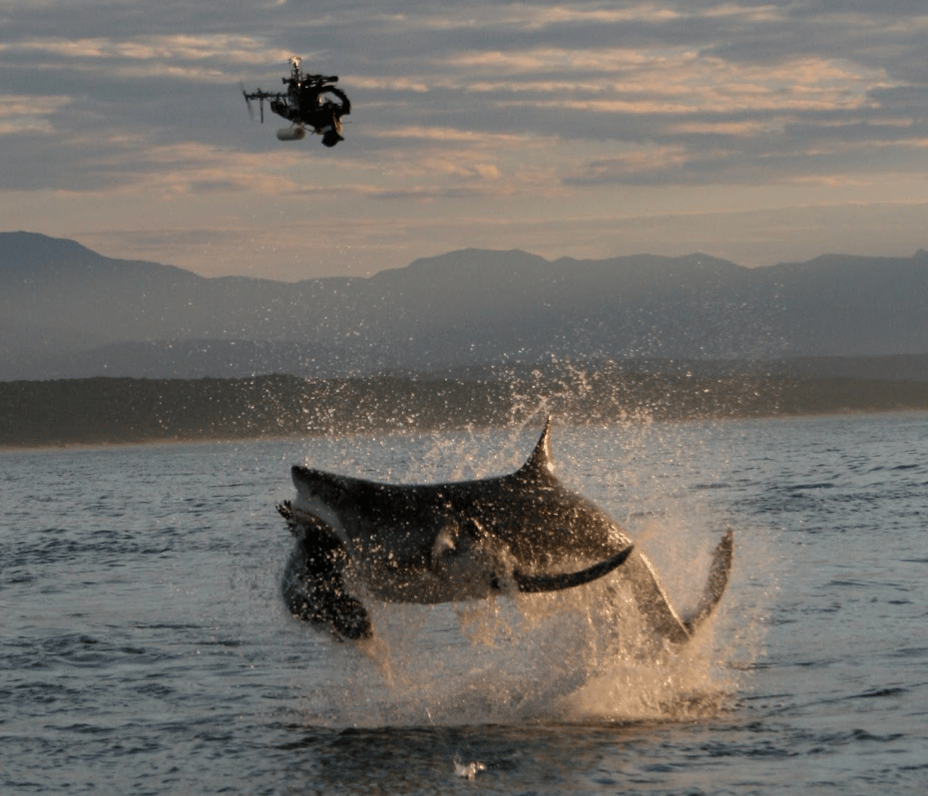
145 648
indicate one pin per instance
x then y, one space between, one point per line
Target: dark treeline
122 410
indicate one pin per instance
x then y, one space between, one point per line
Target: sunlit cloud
20 114
224 47
451 135
457 110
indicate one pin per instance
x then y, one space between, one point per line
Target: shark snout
303 477
318 496
311 483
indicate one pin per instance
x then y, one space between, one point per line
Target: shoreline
102 412
122 445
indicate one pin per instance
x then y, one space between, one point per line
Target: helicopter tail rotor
251 111
259 95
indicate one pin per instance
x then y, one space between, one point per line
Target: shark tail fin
715 586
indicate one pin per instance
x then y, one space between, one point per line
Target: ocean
146 649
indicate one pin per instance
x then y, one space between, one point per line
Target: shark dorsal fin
539 463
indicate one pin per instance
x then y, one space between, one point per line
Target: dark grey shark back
542 523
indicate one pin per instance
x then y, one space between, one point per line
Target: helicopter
310 100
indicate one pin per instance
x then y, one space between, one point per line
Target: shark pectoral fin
531 584
715 586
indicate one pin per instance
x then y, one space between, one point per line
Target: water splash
583 655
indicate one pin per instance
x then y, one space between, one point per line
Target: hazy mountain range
68 312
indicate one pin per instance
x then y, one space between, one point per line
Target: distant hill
68 312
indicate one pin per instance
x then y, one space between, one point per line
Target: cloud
22 114
455 107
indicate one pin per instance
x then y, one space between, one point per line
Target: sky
760 132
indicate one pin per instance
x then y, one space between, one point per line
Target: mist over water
147 647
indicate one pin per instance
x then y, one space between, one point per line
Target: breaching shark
465 540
